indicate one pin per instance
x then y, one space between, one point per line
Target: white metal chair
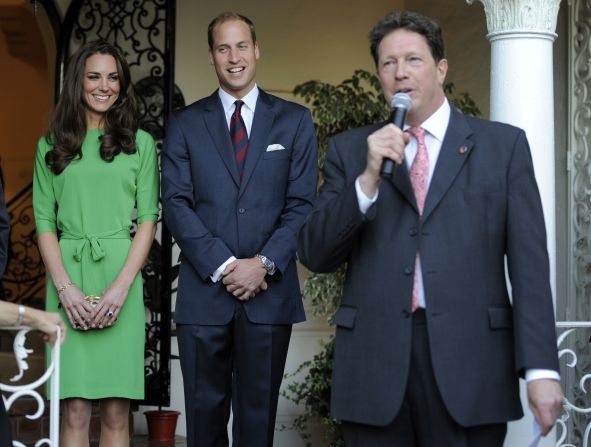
14 392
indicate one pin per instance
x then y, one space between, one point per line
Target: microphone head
401 100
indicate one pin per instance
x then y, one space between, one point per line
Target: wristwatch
268 265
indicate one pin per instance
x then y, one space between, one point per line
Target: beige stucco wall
298 40
311 39
327 40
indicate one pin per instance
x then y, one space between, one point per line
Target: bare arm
115 295
45 322
77 310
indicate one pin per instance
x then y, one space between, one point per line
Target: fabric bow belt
93 241
88 248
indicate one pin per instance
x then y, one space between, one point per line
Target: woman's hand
46 322
78 311
107 310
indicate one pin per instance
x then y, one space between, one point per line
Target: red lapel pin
462 150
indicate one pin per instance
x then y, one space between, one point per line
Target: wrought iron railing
24 279
15 392
574 425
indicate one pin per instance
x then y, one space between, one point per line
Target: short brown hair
225 17
410 21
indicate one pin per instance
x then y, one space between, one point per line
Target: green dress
90 205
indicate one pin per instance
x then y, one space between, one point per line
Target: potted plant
354 102
162 425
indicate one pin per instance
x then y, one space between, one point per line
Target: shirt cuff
536 374
217 275
364 201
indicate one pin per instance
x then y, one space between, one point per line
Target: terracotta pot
161 425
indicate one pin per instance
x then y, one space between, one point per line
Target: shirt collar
437 123
250 99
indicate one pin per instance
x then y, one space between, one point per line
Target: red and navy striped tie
239 137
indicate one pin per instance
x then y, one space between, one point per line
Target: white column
521 33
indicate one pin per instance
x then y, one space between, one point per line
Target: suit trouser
423 420
239 364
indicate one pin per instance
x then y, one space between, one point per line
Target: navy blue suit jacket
213 214
482 205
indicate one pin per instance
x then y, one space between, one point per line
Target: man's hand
545 401
244 278
387 142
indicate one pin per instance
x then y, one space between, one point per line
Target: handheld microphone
401 104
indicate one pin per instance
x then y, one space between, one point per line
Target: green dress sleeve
148 181
44 202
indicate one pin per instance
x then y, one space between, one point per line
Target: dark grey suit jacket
483 204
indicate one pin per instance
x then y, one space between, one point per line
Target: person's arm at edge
45 322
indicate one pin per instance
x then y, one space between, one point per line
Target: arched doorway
27 55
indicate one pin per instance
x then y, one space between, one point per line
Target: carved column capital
520 16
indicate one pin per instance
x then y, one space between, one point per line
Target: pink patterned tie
419 172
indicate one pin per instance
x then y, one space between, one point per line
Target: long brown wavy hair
67 128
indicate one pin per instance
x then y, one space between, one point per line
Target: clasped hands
83 315
244 278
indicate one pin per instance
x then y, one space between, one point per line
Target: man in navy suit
238 180
429 347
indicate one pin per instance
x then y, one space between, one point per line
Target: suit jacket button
405 313
408 270
413 232
241 210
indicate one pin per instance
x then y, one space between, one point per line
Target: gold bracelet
63 288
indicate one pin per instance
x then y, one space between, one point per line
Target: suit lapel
455 150
401 181
217 127
257 143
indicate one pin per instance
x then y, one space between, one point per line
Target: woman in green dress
94 172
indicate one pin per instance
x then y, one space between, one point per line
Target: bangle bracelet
21 315
64 287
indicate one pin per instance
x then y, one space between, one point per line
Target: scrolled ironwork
574 426
576 354
150 94
24 278
52 372
137 27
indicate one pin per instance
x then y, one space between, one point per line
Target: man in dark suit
238 180
429 347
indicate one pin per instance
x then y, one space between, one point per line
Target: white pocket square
275 147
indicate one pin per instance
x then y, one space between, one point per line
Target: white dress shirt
247 113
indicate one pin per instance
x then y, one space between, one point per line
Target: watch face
267 263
